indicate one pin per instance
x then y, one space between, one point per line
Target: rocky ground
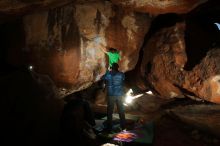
181 122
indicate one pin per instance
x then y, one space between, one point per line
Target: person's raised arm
119 53
102 48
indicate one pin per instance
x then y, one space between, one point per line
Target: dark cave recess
201 33
12 40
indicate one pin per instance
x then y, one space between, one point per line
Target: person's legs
121 112
110 109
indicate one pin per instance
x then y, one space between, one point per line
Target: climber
113 55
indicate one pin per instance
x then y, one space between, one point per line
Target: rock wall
65 42
156 6
160 6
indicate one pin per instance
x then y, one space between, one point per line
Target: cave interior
33 100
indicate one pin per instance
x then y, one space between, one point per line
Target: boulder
204 79
164 59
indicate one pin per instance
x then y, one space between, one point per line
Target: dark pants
110 108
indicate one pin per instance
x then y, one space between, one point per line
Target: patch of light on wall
218 25
149 92
97 40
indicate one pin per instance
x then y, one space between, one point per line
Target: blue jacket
114 83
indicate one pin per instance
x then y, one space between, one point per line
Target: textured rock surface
160 6
65 42
163 66
204 79
155 6
196 115
164 58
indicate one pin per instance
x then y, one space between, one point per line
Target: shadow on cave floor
164 130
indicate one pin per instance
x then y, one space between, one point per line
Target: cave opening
162 21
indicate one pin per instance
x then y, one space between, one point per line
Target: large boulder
204 79
164 59
65 42
163 66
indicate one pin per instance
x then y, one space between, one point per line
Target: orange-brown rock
160 6
204 79
149 6
163 66
65 42
126 31
164 58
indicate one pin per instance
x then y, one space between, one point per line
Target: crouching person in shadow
77 121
